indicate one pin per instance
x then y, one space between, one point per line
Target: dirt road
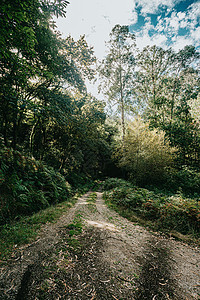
93 253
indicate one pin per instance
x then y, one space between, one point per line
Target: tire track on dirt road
112 258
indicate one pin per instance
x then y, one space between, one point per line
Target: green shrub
146 153
185 179
112 183
188 179
181 214
26 185
80 182
172 212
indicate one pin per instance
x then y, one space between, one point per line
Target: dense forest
55 136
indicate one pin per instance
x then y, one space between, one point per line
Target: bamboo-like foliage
147 152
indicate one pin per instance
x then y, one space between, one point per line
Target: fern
27 185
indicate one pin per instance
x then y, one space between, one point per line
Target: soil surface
110 258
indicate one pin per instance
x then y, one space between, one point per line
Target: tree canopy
117 70
45 109
47 113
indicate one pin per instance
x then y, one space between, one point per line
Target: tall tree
117 69
166 81
28 53
153 67
35 63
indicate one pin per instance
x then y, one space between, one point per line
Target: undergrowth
161 210
73 230
91 202
92 198
26 229
31 194
27 185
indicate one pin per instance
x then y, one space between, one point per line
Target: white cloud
148 26
167 29
185 23
174 23
171 25
194 12
157 39
143 37
153 6
134 17
195 34
181 15
180 42
96 18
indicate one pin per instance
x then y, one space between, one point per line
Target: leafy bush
174 212
146 153
80 182
181 214
188 180
112 183
27 185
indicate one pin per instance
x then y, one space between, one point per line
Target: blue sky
165 23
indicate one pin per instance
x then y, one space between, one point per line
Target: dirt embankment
111 258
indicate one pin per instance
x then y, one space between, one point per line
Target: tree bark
122 108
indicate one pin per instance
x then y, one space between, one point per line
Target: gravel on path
112 258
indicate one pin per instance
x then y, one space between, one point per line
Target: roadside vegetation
167 211
25 230
32 194
28 185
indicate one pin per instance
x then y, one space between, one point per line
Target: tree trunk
31 139
5 129
122 108
14 135
172 108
